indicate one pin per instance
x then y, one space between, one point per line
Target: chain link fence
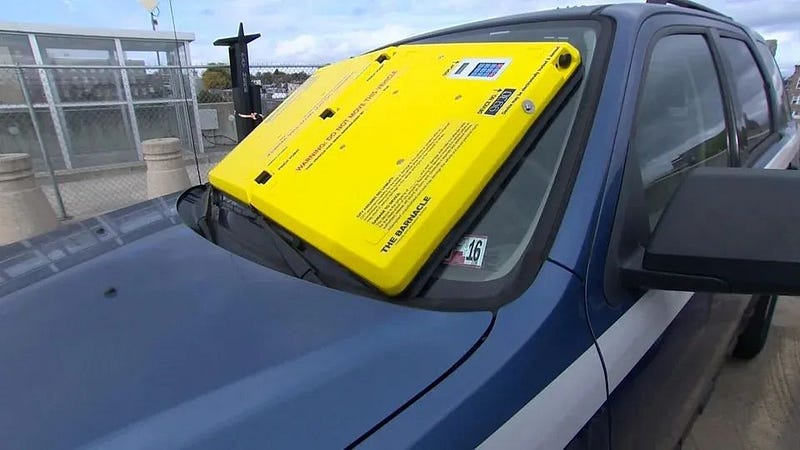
83 125
215 98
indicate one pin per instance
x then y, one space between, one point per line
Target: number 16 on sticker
469 252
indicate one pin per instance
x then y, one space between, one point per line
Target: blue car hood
130 331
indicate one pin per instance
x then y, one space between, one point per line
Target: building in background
96 93
773 46
793 89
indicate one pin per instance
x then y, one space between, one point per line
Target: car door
661 349
781 148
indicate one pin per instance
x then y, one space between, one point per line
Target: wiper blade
206 225
205 222
300 266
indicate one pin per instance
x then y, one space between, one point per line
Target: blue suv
636 245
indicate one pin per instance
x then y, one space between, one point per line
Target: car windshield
507 226
494 244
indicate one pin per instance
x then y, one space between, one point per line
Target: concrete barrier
166 172
24 210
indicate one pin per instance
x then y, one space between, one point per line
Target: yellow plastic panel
375 159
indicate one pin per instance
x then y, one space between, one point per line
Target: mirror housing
725 230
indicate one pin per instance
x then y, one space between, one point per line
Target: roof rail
688 4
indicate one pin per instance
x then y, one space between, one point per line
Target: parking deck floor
756 404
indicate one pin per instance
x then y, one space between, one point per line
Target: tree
204 96
217 77
280 77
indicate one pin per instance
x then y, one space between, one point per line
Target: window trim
782 107
729 80
631 226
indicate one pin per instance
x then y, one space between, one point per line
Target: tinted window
776 80
680 121
749 85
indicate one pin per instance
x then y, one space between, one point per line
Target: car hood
131 331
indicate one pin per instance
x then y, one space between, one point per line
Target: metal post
126 88
246 96
154 22
195 108
182 93
62 212
50 96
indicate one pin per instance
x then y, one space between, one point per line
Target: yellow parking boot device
375 159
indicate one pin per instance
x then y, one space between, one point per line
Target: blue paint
573 241
658 399
202 347
533 340
222 353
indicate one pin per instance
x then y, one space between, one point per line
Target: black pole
246 95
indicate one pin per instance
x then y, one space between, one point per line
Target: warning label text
396 199
344 125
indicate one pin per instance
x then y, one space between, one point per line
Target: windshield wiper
205 222
294 258
207 211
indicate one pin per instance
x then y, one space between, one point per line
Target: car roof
644 10
633 12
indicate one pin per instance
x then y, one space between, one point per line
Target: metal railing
215 103
83 125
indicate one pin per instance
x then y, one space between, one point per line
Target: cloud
788 49
302 31
764 14
328 47
306 31
300 46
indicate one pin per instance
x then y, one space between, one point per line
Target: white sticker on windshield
469 252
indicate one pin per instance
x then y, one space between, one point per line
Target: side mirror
725 230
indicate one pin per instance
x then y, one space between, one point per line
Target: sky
321 31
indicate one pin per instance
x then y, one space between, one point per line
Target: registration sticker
469 252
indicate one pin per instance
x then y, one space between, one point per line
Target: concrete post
24 210
166 172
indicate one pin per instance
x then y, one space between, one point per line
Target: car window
680 122
776 84
749 85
